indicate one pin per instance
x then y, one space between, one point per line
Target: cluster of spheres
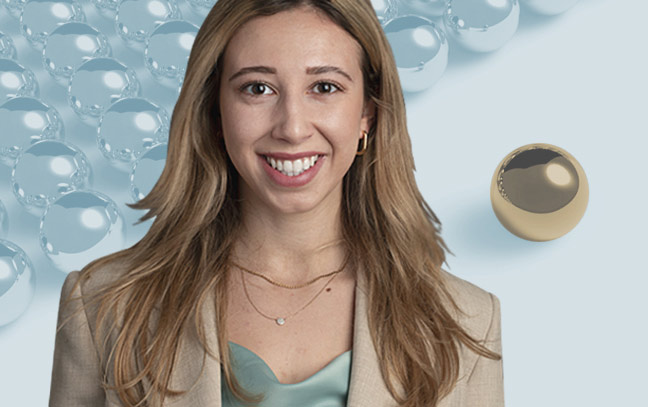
421 32
77 44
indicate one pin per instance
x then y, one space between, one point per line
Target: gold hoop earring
365 137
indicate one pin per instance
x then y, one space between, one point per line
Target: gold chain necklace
282 320
291 286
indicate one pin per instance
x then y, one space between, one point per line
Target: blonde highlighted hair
388 228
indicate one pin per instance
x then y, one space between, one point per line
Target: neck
290 247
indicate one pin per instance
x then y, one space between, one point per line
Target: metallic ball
549 7
147 170
385 9
167 51
47 170
79 227
17 282
420 49
128 128
41 17
539 192
16 80
98 83
424 8
4 221
136 19
25 121
482 25
7 47
69 46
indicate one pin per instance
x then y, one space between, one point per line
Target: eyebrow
311 70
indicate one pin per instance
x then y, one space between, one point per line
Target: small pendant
280 321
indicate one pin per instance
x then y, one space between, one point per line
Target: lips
291 156
284 180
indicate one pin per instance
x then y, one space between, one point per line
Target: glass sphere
128 128
41 17
47 170
69 46
16 80
167 51
7 47
136 19
385 9
26 121
98 83
4 221
79 227
424 8
147 170
420 50
482 25
17 282
539 192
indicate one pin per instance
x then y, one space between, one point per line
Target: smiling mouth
292 168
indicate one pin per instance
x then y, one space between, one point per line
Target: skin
284 227
292 113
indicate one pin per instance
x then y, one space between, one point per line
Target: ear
368 115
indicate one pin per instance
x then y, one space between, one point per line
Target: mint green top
329 387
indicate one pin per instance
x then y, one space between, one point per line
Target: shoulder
99 274
82 286
480 308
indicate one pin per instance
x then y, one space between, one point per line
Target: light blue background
573 309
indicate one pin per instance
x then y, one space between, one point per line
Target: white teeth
292 168
288 167
298 165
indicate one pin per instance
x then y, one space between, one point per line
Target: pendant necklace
282 320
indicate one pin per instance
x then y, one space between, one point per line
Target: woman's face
291 89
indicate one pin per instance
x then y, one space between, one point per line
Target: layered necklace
280 320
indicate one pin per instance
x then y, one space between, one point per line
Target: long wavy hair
388 228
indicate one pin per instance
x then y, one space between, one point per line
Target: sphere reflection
128 128
17 282
420 49
539 192
26 121
47 170
79 227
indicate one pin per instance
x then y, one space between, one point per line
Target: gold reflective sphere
539 192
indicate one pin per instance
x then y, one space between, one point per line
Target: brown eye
257 88
326 87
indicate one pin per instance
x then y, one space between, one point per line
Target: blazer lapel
367 387
189 363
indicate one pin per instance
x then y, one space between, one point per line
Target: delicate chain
291 286
282 320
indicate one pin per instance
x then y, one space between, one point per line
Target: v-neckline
274 376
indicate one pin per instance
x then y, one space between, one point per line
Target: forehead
293 40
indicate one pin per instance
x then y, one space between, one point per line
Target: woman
292 258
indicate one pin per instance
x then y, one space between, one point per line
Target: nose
293 118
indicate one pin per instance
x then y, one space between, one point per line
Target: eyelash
248 84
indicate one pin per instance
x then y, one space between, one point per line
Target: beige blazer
76 374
